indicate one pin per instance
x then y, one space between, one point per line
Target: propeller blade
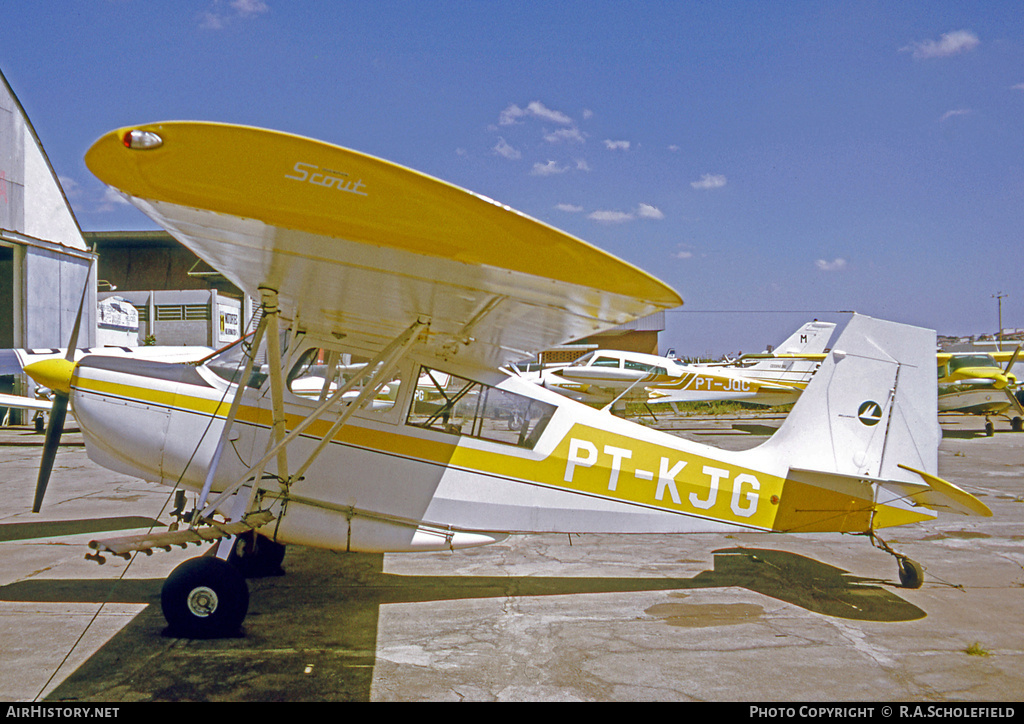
1013 360
73 343
54 428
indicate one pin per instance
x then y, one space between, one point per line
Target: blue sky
773 162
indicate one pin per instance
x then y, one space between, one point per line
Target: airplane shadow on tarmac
312 634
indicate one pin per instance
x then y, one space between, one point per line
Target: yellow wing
359 246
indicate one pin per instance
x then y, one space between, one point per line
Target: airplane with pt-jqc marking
608 377
393 285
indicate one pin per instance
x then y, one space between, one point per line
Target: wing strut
382 365
232 414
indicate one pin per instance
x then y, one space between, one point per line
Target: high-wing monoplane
427 290
975 383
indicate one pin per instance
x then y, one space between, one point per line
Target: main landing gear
207 597
910 571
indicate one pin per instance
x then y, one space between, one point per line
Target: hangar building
45 264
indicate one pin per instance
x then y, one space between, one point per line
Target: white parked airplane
424 281
614 377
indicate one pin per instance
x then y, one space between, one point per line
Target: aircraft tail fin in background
871 407
811 338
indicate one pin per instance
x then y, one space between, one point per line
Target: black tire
256 556
205 598
911 573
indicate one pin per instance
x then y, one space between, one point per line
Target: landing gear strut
910 571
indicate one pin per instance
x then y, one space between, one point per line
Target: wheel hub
202 601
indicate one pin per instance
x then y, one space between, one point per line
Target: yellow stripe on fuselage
589 461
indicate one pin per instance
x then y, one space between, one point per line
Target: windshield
229 362
972 360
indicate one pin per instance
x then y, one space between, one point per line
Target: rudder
870 408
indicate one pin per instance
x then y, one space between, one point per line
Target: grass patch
976 649
715 407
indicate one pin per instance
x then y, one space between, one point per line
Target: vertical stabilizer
870 408
811 338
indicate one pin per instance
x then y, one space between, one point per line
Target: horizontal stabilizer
939 494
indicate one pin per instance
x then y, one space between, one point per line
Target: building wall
45 265
195 317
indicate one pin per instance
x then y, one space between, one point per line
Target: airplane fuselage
403 477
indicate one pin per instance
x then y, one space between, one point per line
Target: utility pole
999 334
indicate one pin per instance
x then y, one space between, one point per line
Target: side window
320 372
605 362
458 406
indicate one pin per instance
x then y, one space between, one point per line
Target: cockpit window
605 362
458 406
644 367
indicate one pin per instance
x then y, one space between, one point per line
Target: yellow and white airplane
429 283
976 384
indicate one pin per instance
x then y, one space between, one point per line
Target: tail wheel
911 573
205 598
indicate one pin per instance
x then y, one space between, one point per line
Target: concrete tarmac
754 618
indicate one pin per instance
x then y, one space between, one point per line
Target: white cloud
673 148
616 145
514 113
541 111
709 181
959 41
510 115
504 149
569 208
830 266
646 211
582 165
1019 86
547 169
564 134
953 114
249 7
642 211
610 217
682 254
71 187
218 16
